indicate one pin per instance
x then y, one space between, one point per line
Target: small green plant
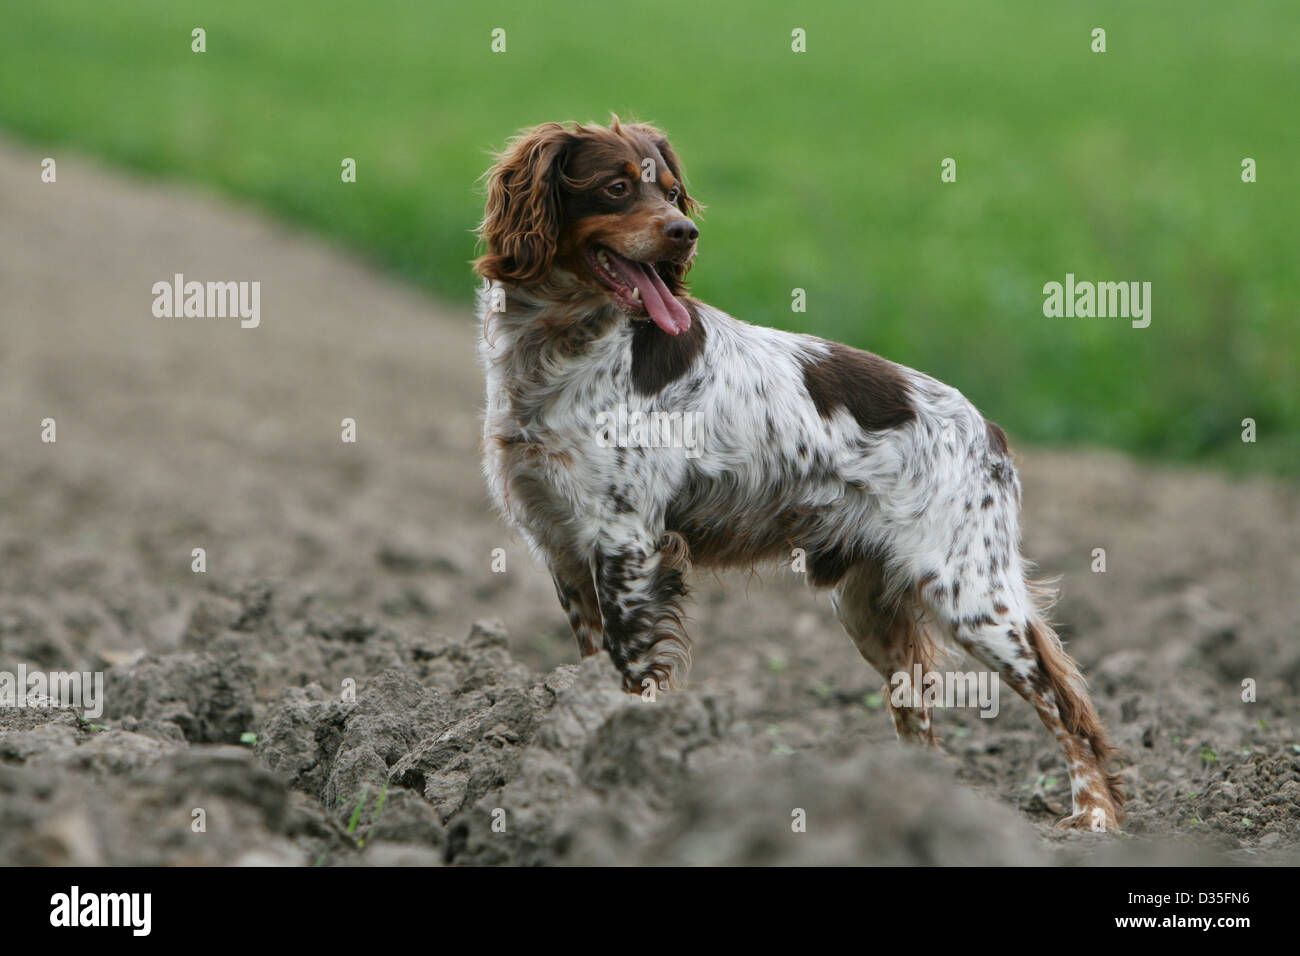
356 813
355 820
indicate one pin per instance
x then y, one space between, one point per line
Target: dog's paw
650 681
1097 819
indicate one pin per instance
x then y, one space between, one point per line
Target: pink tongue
669 314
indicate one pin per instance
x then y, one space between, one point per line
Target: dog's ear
521 223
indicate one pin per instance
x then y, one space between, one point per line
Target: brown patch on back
872 389
658 359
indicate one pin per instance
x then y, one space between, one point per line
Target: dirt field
331 563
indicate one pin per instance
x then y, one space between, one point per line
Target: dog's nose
682 230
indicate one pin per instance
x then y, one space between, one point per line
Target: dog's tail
1068 685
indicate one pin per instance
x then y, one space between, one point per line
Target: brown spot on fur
659 359
872 389
827 568
997 437
563 458
674 549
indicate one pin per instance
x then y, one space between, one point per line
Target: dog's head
606 205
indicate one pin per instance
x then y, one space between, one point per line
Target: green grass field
821 170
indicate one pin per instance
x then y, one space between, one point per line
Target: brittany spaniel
887 486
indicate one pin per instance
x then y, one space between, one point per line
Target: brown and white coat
903 498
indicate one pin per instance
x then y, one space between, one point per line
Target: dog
901 498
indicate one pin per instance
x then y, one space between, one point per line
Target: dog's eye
673 194
617 189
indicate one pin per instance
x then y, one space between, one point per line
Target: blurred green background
820 170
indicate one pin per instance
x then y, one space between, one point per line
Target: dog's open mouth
638 289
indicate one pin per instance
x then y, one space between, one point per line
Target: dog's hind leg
1000 625
891 636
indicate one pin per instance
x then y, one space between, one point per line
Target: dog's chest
544 402
554 392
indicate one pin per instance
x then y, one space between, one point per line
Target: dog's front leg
640 586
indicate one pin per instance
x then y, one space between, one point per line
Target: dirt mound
453 752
